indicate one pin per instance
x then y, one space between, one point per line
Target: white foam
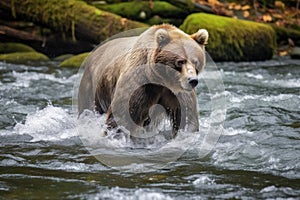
56 124
256 76
91 128
268 189
280 97
232 131
23 79
239 99
117 150
117 193
203 180
231 73
236 99
69 166
49 124
289 83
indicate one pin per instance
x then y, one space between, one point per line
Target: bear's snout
193 81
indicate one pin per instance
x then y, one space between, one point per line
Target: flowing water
257 155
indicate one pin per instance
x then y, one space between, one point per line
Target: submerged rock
232 39
23 57
74 61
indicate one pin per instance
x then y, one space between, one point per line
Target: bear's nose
193 81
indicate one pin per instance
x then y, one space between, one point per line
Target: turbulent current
256 154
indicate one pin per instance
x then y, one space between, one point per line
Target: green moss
125 10
63 57
11 47
232 39
133 10
74 18
74 61
23 57
50 12
97 12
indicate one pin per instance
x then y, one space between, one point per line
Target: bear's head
178 57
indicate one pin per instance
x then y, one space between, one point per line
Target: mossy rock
143 10
23 57
72 18
158 20
63 57
12 47
232 39
74 61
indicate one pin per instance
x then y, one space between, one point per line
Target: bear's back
95 65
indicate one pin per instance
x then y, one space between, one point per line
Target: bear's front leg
192 121
110 121
175 118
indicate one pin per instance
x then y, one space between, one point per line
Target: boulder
23 57
74 61
233 39
63 57
143 10
11 47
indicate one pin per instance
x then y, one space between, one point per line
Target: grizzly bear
139 81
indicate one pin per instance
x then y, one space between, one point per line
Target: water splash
117 193
49 124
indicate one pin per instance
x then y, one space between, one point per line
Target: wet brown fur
108 78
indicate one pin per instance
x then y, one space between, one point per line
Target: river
256 157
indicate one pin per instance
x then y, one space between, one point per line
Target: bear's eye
179 64
196 65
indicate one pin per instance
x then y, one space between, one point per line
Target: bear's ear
201 37
162 37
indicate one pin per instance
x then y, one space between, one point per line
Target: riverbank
53 29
